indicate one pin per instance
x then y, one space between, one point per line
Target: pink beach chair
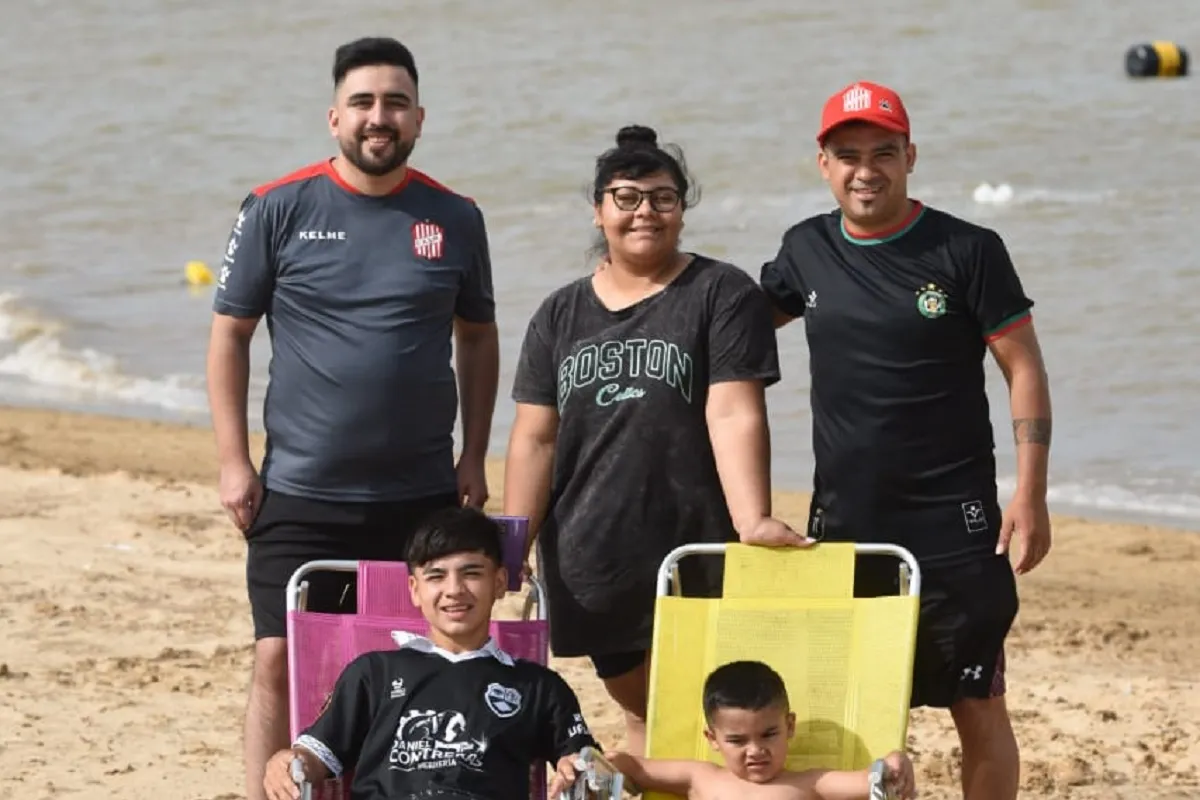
321 645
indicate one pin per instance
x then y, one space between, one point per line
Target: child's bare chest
730 788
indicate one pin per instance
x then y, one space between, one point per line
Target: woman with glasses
641 421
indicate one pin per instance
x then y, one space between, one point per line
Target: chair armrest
298 777
598 779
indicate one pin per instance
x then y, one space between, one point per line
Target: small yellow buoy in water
1156 60
197 273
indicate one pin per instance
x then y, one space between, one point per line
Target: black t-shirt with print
634 473
897 328
418 720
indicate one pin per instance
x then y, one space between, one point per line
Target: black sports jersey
418 720
897 329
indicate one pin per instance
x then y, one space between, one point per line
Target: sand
126 634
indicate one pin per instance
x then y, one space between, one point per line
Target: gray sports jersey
360 294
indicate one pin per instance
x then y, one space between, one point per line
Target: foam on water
1153 504
40 367
1003 194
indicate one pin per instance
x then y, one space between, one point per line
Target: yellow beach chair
847 662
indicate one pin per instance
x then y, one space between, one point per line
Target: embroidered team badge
856 98
504 702
931 301
428 239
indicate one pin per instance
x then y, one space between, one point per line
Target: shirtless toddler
749 724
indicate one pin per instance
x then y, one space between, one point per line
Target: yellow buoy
1156 60
197 273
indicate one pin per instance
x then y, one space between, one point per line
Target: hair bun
637 136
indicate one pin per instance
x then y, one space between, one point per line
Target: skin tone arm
682 777
844 785
477 362
779 318
228 371
737 425
1019 357
741 443
529 464
662 775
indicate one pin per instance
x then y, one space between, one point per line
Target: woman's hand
770 532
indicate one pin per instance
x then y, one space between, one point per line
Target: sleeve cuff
532 399
229 309
769 377
323 753
477 316
1008 325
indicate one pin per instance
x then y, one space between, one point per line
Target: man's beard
359 154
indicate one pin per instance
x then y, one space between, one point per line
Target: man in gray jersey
367 272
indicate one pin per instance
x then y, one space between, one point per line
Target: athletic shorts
966 613
614 665
290 531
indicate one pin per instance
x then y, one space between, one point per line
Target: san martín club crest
931 301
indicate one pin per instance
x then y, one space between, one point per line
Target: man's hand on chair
564 776
770 532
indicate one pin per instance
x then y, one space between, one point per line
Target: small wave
1153 504
35 354
1003 194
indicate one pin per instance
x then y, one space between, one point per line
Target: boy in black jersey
450 714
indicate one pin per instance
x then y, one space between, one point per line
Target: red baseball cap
864 102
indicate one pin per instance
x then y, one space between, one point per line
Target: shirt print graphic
435 740
611 370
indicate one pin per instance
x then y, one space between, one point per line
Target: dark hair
637 155
455 530
372 51
749 685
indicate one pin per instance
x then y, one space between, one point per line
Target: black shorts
290 531
614 665
966 613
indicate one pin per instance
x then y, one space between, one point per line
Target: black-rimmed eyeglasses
629 198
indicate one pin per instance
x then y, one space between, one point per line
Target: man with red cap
901 302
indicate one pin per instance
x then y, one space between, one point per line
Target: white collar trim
424 645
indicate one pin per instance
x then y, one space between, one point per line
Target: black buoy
1156 60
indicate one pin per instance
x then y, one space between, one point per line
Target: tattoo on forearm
1031 431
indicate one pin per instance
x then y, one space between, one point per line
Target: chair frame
297 587
668 583
668 571
297 601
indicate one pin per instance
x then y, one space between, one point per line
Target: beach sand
126 634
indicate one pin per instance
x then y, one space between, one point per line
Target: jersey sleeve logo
428 240
931 301
504 701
